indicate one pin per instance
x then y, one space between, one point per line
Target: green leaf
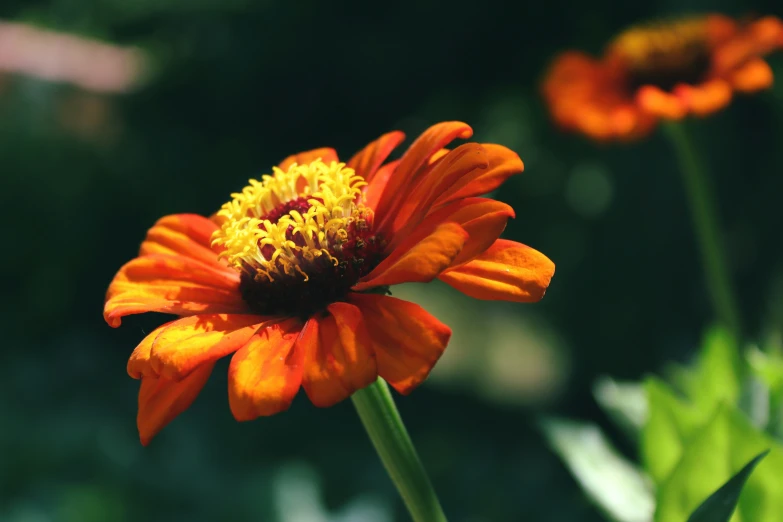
711 456
625 402
615 485
720 505
671 422
717 377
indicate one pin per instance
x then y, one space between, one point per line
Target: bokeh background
116 112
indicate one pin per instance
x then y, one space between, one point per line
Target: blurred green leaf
614 484
724 444
717 376
625 402
670 424
720 505
767 366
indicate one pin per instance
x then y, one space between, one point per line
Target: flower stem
705 224
387 432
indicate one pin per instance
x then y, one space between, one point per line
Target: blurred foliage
235 85
698 447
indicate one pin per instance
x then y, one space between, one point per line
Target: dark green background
239 84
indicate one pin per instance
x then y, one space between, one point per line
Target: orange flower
660 71
291 276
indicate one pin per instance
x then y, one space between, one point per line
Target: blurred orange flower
291 275
660 71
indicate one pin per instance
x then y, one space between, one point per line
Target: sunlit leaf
626 402
717 376
670 424
614 484
720 505
712 455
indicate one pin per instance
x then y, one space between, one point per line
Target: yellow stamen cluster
279 246
671 46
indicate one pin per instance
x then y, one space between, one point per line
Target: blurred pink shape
62 57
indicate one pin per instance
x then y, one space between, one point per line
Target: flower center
300 238
664 54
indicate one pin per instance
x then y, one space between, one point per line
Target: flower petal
706 98
407 340
192 341
482 218
373 191
507 271
161 400
265 374
139 362
502 163
752 76
188 235
457 164
171 284
419 258
338 355
326 154
660 103
367 161
417 156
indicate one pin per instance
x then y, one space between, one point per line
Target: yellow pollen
665 52
262 235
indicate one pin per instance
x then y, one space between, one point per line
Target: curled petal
161 400
326 154
501 164
367 161
338 355
265 374
188 235
416 157
507 271
171 284
407 340
456 165
190 342
419 258
482 218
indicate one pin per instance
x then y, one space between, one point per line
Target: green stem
382 421
705 224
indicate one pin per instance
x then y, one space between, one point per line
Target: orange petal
338 355
326 154
193 341
417 156
373 191
161 400
171 284
502 163
407 340
418 259
754 76
188 235
139 362
265 374
482 218
367 161
457 164
660 103
507 271
706 98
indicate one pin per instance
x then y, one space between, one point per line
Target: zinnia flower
660 71
292 275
